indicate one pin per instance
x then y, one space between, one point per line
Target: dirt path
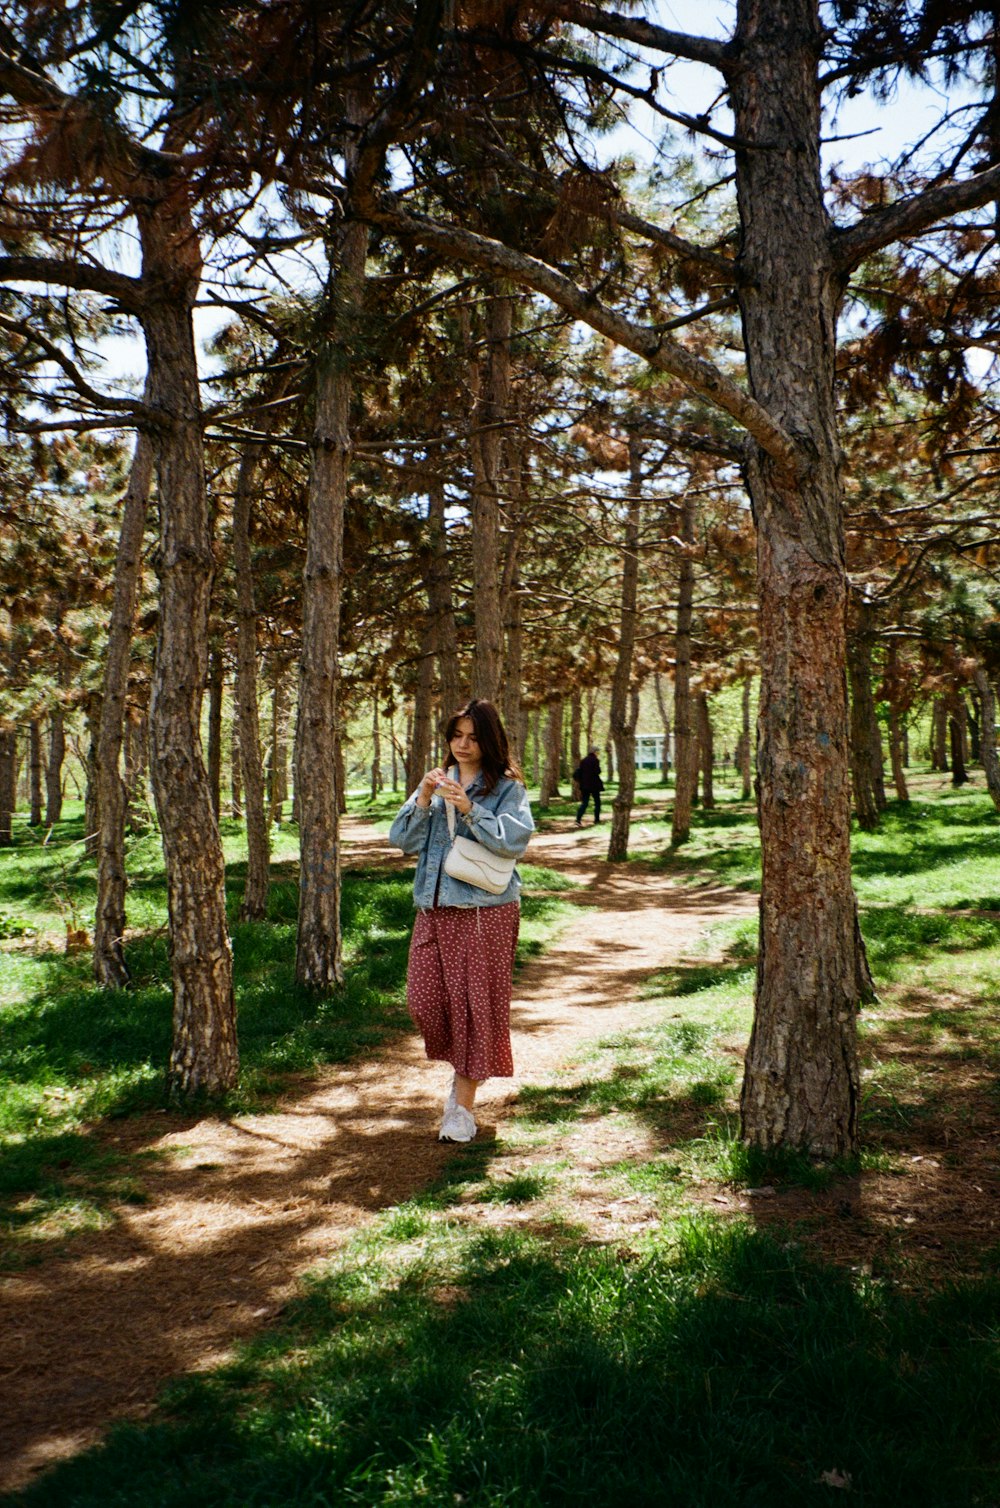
240 1208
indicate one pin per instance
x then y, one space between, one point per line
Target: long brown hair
494 746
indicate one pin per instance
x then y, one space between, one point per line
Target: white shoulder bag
469 861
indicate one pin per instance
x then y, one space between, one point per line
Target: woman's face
465 745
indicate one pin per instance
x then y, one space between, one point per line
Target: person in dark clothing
588 778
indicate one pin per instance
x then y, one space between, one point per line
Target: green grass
73 1055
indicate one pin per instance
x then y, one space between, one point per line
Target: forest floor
233 1211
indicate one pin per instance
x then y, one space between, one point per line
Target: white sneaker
459 1124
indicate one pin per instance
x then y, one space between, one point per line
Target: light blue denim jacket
500 821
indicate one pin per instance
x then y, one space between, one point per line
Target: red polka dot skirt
458 986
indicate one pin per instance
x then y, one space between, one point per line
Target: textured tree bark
939 736
204 1058
706 751
987 736
437 581
235 782
376 781
279 749
253 907
661 703
137 769
622 707
553 752
745 768
8 794
973 723
801 1084
91 798
110 968
215 684
35 770
685 769
511 708
318 776
536 742
576 727
490 386
53 772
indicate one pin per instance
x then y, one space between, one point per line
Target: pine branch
135 410
677 44
914 213
89 277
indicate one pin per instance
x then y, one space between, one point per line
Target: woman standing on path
460 974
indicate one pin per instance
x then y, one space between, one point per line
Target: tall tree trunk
423 708
512 605
35 769
279 748
661 703
896 759
489 381
235 783
939 736
8 780
706 751
988 736
392 745
622 718
137 769
863 754
576 727
253 907
536 750
801 1085
437 581
54 767
973 713
110 969
215 686
553 752
685 768
956 732
376 784
318 773
91 800
204 1056
745 767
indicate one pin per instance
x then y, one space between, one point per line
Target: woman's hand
429 785
454 794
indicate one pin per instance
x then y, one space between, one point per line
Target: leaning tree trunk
318 777
622 717
706 750
54 768
204 1057
684 763
553 753
987 735
489 382
801 1086
8 796
253 907
35 770
110 969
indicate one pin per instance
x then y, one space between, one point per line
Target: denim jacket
500 821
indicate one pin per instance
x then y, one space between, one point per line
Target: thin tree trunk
706 751
137 769
956 731
801 1086
246 723
91 798
110 968
279 748
35 769
392 745
423 707
512 606
376 784
54 768
204 1055
318 771
973 713
661 703
553 752
622 707
235 785
489 383
745 766
896 759
536 751
939 736
576 727
609 758
437 581
987 736
8 794
685 772
859 670
215 686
